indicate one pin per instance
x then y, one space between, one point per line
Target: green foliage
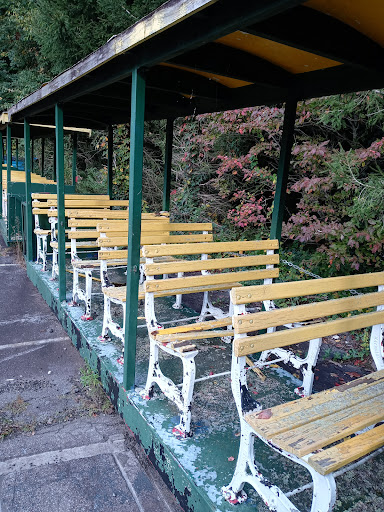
42 38
89 378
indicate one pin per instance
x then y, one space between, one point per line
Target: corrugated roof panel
289 58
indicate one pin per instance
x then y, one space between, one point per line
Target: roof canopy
213 55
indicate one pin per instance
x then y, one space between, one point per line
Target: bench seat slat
197 335
338 456
333 427
264 319
251 344
304 288
199 326
217 263
302 411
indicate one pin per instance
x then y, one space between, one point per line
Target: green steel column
54 163
110 160
134 225
59 122
28 199
1 174
74 158
9 176
17 153
283 169
168 165
42 156
32 154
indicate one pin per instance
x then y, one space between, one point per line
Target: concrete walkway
62 447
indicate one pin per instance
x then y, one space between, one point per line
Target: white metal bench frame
183 397
324 486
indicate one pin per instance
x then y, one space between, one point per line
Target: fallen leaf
264 415
230 459
354 375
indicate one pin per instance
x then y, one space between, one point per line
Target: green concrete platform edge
3 231
186 491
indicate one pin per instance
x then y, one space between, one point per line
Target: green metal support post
168 165
1 173
283 169
9 176
134 225
59 122
17 153
32 154
28 199
42 163
74 158
110 160
54 162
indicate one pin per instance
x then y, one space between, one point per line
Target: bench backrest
232 262
317 309
115 234
42 196
89 203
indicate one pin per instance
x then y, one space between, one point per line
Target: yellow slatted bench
115 238
82 230
221 265
311 431
103 205
40 207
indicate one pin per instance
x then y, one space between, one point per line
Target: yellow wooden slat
111 255
199 326
300 412
39 195
83 233
344 453
154 285
42 231
214 247
322 432
190 336
167 293
191 226
121 226
264 319
154 269
302 288
96 263
145 231
83 223
86 203
87 245
252 344
147 239
105 214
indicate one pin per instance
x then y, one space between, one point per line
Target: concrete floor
62 447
